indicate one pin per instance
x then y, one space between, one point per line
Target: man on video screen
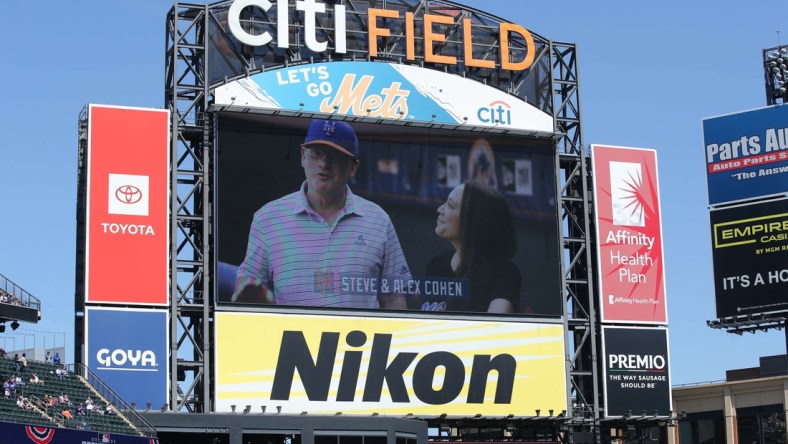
322 245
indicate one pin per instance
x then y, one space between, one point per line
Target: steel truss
554 86
186 96
577 251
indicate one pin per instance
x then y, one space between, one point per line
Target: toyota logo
128 194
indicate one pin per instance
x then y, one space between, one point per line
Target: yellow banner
388 366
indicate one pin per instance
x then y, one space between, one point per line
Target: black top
503 283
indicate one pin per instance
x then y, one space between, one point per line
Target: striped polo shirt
306 261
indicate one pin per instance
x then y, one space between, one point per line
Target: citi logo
637 362
496 112
119 359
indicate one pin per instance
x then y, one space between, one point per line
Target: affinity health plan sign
629 235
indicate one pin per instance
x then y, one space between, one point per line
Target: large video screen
422 219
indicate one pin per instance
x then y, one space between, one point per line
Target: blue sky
649 73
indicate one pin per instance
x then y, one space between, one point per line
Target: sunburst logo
626 192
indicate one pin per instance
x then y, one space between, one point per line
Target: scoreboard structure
204 61
438 94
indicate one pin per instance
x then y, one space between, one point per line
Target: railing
695 384
120 404
40 406
10 293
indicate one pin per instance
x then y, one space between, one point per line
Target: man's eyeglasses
316 153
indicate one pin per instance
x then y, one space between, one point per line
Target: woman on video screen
476 220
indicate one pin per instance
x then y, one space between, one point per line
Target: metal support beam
186 96
575 201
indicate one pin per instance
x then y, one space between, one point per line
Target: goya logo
384 369
142 360
497 112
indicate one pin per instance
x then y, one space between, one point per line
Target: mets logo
40 435
329 128
128 194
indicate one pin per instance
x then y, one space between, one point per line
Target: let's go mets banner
388 366
629 235
384 90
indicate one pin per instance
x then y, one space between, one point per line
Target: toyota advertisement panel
128 349
746 154
388 366
127 240
392 241
750 253
636 371
630 258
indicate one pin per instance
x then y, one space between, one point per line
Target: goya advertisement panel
128 349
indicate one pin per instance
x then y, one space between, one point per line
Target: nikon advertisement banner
637 371
750 253
388 366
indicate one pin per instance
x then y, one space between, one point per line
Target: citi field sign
315 12
346 79
394 367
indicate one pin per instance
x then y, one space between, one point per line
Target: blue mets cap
337 135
